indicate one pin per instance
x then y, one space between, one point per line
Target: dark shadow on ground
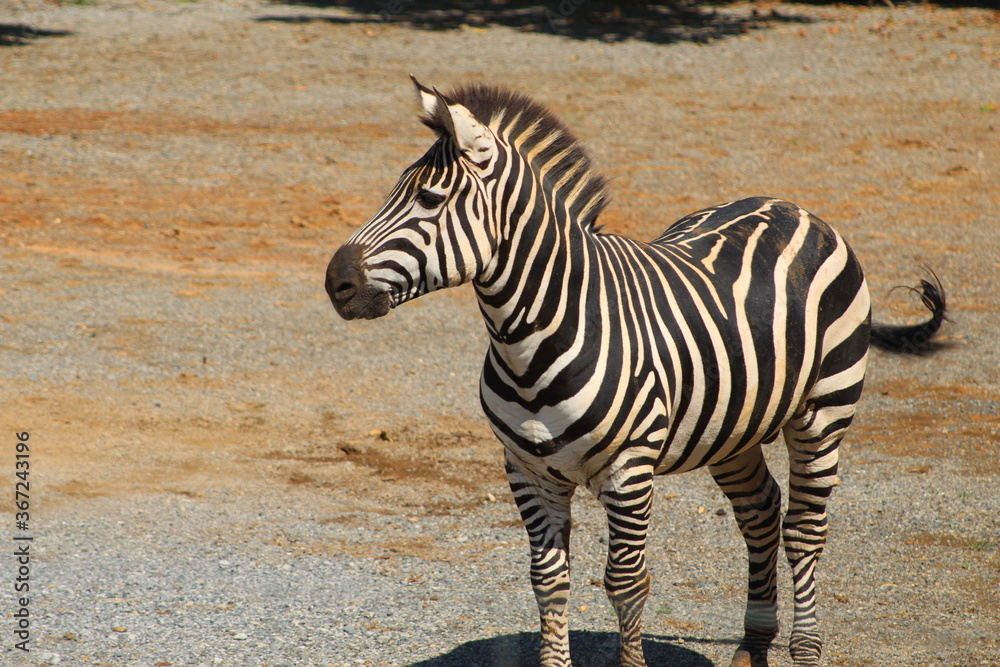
664 23
590 649
884 4
19 34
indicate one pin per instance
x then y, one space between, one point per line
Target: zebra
611 361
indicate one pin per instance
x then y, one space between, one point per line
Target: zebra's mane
528 125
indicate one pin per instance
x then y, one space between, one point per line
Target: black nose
343 276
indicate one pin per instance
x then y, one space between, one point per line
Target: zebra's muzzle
351 296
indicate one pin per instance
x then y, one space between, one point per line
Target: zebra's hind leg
627 499
812 437
756 499
545 510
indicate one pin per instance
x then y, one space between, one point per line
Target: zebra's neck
546 199
535 294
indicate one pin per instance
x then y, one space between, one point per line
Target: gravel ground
224 473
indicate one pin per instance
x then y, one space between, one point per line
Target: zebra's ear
473 138
476 141
428 100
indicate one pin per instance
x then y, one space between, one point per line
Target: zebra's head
435 229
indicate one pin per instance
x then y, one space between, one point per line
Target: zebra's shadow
590 649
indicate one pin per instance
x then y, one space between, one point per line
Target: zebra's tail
915 338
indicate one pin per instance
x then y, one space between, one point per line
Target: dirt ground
175 176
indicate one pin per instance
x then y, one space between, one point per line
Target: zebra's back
725 323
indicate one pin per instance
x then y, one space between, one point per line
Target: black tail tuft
914 338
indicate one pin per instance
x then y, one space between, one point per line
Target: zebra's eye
429 199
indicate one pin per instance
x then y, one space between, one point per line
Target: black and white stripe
613 360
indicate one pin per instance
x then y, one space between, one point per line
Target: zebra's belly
570 441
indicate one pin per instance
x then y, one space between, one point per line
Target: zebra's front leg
545 510
628 498
756 499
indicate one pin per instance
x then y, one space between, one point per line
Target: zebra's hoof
745 658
